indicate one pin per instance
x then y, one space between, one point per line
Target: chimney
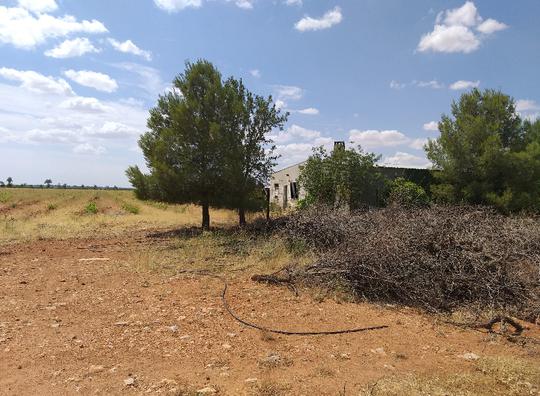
339 145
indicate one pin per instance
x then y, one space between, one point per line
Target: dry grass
271 388
30 214
492 376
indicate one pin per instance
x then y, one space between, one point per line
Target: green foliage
306 202
130 208
343 177
486 154
91 208
206 143
51 207
48 183
9 181
407 193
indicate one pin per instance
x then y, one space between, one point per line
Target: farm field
95 299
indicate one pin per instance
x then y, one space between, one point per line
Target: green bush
130 208
91 208
407 194
305 203
51 207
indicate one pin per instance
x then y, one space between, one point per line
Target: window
276 187
294 190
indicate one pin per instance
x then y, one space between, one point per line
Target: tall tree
48 183
182 146
248 152
9 181
486 154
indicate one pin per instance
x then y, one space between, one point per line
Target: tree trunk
242 216
205 216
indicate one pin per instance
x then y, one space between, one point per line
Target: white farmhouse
284 188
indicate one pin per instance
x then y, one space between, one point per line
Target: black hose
266 329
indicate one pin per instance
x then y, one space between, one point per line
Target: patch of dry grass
492 376
26 214
271 388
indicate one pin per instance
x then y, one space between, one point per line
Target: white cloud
527 105
84 105
289 92
308 111
72 48
462 84
449 39
37 82
293 2
21 29
453 31
406 160
418 144
177 5
245 4
99 81
295 132
87 148
528 109
490 26
329 19
434 84
148 78
466 15
255 73
397 85
431 126
129 47
38 6
371 139
56 117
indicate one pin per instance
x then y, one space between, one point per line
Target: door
285 197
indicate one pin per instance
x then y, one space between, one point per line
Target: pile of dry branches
439 259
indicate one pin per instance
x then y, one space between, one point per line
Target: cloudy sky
77 77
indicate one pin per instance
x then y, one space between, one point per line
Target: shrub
439 259
91 208
51 207
407 194
133 209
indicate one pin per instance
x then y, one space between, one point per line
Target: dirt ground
76 318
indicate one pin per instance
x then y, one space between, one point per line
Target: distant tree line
49 184
206 144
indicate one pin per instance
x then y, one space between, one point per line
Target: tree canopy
206 143
342 177
486 154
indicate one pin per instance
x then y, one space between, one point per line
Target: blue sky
77 77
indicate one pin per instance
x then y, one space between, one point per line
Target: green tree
182 146
247 153
407 194
343 177
9 181
486 154
48 183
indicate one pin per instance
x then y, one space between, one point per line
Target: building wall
281 184
284 179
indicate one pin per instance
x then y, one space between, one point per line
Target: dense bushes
438 259
407 194
344 177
